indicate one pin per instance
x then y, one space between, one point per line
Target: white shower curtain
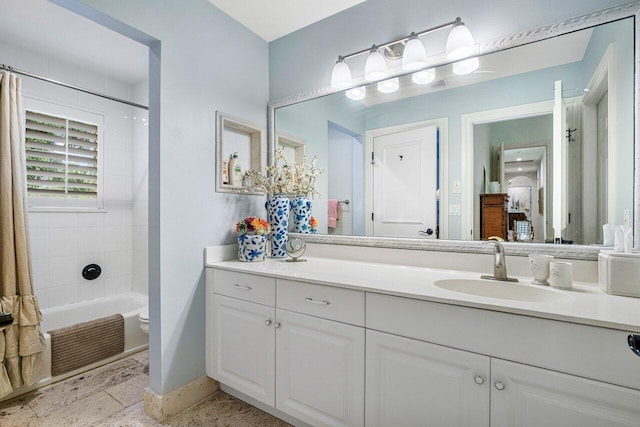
21 343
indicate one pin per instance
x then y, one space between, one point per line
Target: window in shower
63 156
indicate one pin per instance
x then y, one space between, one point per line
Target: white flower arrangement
297 179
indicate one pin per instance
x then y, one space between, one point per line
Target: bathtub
130 305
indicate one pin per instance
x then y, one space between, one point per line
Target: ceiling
272 19
31 24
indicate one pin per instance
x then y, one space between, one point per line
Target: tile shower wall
63 243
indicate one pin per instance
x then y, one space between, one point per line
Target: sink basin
502 290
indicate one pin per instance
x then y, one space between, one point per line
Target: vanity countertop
584 304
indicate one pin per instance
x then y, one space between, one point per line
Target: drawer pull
243 287
276 325
499 385
267 322
312 301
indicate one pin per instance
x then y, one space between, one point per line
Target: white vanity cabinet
519 395
303 356
240 334
525 396
411 383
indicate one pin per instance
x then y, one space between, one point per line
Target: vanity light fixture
357 93
389 86
414 56
341 75
423 77
459 45
460 42
375 68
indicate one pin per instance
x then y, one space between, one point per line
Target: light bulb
414 56
357 93
423 77
389 86
341 75
459 43
466 66
375 68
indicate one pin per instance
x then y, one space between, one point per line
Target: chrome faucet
499 263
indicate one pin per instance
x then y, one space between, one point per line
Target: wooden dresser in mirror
494 215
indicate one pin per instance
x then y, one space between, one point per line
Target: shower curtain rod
55 82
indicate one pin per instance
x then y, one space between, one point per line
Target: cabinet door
320 370
244 347
414 383
522 395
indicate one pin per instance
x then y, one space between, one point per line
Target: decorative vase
301 208
278 207
252 247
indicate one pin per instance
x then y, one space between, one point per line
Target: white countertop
586 303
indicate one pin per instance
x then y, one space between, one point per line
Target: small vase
278 207
301 208
252 248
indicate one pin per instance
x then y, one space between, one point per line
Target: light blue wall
302 61
209 62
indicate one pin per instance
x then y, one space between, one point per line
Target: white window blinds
62 157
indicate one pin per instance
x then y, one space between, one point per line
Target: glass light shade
375 68
389 86
341 75
459 43
357 93
423 77
414 56
467 66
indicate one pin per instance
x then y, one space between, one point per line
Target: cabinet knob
267 322
276 325
499 385
478 379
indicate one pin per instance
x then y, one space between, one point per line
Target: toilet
143 318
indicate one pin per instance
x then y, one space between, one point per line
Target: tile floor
112 396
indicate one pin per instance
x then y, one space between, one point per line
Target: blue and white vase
301 208
278 207
252 248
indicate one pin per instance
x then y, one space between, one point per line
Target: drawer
342 305
248 287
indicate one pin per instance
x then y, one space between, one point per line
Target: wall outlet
454 210
457 188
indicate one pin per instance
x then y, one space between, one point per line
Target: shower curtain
21 343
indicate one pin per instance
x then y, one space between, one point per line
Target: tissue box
619 273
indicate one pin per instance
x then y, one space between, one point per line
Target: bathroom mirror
240 146
474 129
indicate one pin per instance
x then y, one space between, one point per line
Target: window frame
76 113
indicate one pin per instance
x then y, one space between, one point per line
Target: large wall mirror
535 146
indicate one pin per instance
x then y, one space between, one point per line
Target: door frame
443 125
466 138
603 80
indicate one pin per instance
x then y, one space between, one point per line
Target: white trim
466 141
603 80
443 125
